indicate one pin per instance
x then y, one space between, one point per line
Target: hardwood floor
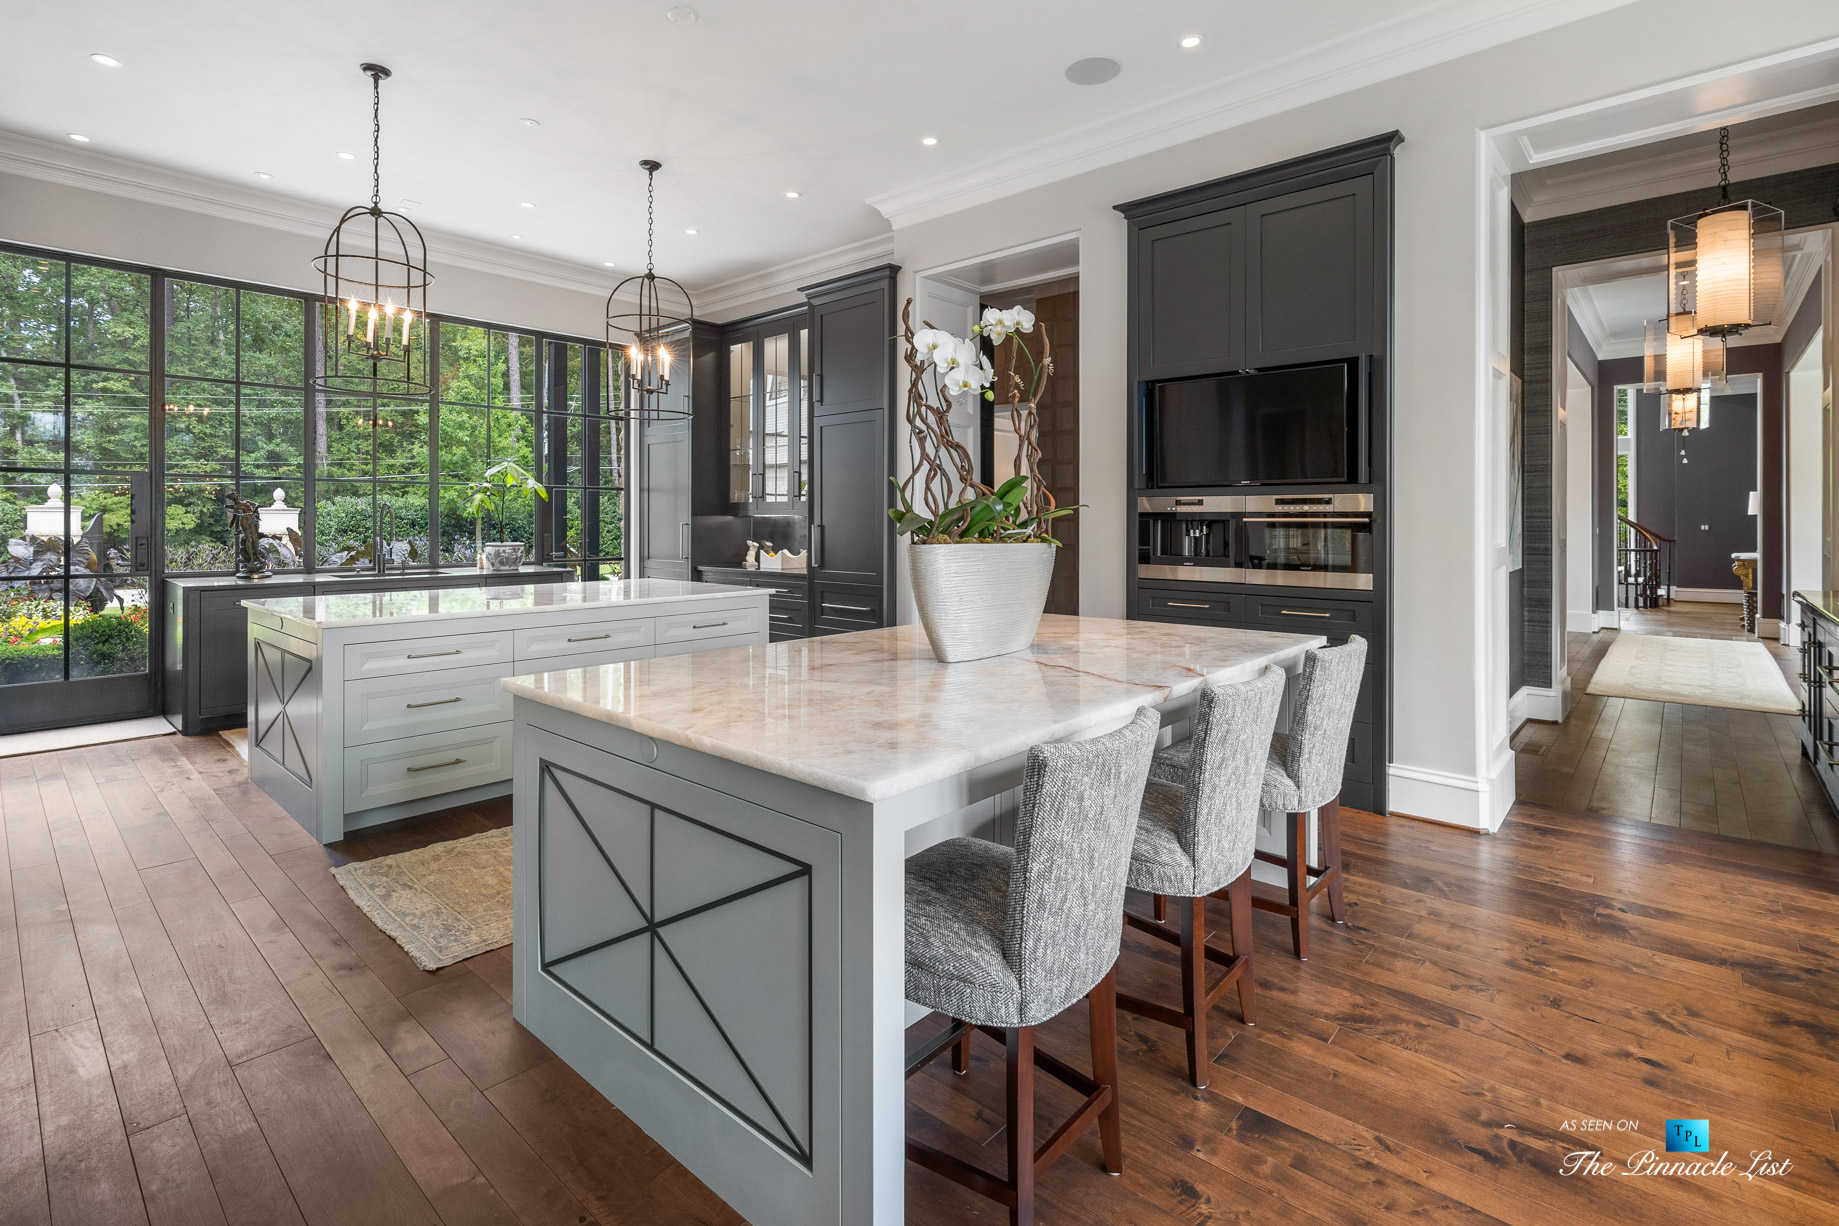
196 1025
1738 773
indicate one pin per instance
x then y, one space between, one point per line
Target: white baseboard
1456 800
1608 619
1581 621
1541 702
1770 627
1709 595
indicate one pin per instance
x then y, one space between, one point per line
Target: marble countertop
1826 604
872 714
343 609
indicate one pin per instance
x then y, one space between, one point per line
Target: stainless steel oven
1307 540
1193 539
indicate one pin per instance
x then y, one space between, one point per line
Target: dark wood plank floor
197 1026
1716 769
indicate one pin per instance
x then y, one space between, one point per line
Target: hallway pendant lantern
1682 368
375 271
651 338
1724 264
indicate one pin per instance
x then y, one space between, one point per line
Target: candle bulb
407 316
370 326
351 321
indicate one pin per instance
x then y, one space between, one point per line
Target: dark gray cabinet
1309 275
766 377
788 610
1191 279
206 662
849 519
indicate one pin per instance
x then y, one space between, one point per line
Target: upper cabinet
768 403
854 333
1271 268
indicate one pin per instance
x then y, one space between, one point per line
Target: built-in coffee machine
1288 540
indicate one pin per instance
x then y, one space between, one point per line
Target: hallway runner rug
1698 672
443 902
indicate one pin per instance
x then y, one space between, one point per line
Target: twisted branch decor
954 507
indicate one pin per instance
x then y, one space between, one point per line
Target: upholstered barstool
1302 774
1197 841
1001 940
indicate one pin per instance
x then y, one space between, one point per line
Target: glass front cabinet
767 383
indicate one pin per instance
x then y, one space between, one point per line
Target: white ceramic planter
977 601
503 555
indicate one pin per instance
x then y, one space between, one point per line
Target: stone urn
502 555
980 600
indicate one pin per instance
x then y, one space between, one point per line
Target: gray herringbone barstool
1303 774
1001 940
1198 840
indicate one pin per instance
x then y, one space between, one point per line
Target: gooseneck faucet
381 544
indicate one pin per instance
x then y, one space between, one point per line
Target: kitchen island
709 880
366 707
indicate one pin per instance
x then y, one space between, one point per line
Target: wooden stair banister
1646 569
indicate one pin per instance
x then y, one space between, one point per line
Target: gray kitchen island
709 869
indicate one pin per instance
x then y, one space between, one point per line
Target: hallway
1737 773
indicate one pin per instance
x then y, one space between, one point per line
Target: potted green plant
491 495
981 559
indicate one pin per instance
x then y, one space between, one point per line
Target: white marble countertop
341 609
872 714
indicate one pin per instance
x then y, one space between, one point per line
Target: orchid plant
954 508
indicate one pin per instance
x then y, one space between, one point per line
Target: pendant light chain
376 141
650 217
1723 165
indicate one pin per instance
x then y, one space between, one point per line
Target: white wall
1580 529
1448 740
1806 417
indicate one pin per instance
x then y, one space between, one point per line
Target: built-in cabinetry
680 464
1287 265
369 708
206 682
789 610
768 405
1819 687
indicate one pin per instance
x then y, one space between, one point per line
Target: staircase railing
1644 566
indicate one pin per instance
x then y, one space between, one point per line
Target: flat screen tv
1270 427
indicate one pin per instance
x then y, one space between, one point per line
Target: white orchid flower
927 343
1022 319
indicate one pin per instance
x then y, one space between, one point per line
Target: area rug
1699 672
443 902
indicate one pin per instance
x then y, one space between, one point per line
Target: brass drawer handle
423 655
589 638
1186 604
1302 613
706 625
434 766
438 702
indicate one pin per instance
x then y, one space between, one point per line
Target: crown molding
1590 322
90 170
1403 45
733 297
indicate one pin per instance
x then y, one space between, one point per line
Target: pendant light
1724 264
653 342
1682 368
375 270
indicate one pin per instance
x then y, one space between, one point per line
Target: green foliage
22 662
995 517
108 646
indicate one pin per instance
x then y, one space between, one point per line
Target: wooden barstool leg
1159 907
1020 1103
1331 857
1103 1002
1194 986
961 1051
1239 898
1299 883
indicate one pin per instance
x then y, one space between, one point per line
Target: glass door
76 509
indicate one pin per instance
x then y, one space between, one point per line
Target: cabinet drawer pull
853 608
589 638
706 625
434 766
438 702
423 655
780 617
1186 604
1302 613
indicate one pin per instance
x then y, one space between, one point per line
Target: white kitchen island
709 879
368 707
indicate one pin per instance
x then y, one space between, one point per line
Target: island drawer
409 768
427 654
688 646
590 659
606 635
385 708
716 624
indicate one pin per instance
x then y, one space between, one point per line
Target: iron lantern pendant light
1680 368
1724 264
375 269
656 340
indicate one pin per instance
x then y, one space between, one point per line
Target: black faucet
380 553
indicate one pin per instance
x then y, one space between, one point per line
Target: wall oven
1286 540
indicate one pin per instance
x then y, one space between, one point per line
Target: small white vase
503 555
977 601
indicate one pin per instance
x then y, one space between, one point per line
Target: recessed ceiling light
530 123
606 264
682 15
517 238
263 174
791 195
1093 70
78 137
107 61
1192 40
526 204
346 156
689 231
929 140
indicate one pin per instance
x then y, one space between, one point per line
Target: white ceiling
829 98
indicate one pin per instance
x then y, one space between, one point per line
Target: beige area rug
443 902
1700 672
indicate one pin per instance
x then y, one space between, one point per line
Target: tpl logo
1688 1136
